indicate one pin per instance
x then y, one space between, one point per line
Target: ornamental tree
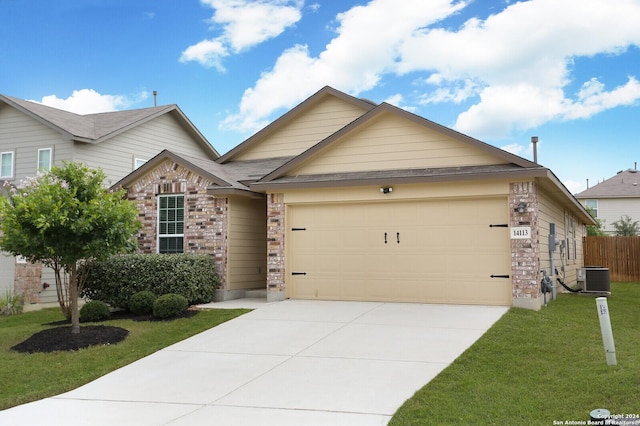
626 227
64 217
595 230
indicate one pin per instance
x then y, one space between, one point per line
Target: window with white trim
6 164
593 206
44 159
170 223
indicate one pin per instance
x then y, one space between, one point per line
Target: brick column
525 253
275 247
28 281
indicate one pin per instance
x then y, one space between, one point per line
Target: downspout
552 249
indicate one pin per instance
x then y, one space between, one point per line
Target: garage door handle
398 237
500 225
298 273
385 238
499 276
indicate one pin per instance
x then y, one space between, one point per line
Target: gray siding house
34 137
613 198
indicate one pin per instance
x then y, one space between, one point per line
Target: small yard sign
520 232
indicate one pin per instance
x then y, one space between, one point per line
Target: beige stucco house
33 137
342 199
614 198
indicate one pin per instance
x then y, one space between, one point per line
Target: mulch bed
61 339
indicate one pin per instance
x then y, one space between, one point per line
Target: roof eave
158 159
65 134
274 185
227 191
375 112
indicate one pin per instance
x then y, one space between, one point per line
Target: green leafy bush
118 278
169 305
11 303
141 303
94 311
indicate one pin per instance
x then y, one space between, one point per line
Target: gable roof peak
98 127
624 184
289 116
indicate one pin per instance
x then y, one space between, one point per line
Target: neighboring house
614 198
34 137
342 199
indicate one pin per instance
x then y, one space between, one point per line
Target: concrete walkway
286 363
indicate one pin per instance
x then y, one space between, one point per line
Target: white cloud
513 67
398 100
456 92
364 49
592 98
245 24
88 101
521 59
575 187
514 148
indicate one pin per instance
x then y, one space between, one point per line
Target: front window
44 160
6 164
170 223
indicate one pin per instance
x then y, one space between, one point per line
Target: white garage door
446 251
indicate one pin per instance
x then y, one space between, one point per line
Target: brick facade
275 243
28 281
525 253
205 228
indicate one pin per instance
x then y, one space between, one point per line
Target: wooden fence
620 254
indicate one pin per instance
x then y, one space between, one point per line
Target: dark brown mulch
61 339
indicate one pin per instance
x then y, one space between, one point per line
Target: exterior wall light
521 207
386 189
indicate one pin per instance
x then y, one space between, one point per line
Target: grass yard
29 377
534 368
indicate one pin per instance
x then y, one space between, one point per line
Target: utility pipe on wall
552 249
605 329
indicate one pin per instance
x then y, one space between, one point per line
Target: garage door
420 251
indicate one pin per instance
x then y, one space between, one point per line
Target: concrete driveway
286 363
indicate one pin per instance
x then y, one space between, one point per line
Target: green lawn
534 368
28 377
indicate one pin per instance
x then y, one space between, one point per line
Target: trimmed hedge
169 306
141 303
118 278
94 311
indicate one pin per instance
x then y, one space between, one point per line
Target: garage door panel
489 292
436 251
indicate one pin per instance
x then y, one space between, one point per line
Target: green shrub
118 278
94 311
11 303
141 303
169 305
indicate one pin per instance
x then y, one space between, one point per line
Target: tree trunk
73 299
62 291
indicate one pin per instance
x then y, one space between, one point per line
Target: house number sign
520 232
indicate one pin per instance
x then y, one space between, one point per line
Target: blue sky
500 71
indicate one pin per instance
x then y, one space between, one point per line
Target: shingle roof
399 175
90 127
625 184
